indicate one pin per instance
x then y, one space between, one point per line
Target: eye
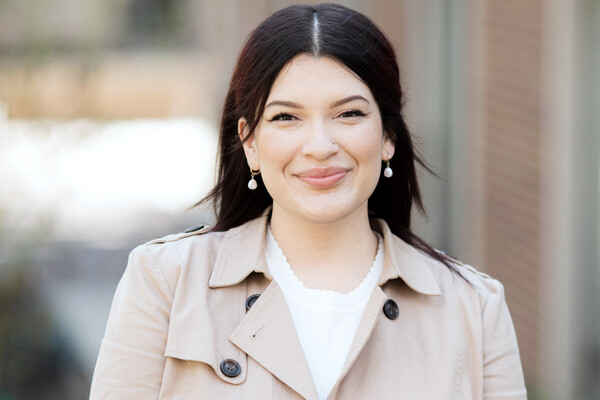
352 113
283 117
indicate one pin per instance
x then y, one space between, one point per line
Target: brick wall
511 161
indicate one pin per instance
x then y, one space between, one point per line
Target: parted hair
324 30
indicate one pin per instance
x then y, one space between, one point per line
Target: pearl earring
387 172
252 183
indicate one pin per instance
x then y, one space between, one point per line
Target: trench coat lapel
400 261
404 261
241 253
268 335
267 332
365 328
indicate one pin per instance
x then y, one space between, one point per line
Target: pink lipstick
323 178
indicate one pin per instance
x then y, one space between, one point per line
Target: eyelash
290 117
354 113
282 117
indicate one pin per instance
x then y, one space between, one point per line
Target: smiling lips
323 178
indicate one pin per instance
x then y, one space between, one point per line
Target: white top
325 321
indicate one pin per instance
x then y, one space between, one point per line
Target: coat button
390 309
230 368
251 300
194 229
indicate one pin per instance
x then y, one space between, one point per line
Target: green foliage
35 359
25 342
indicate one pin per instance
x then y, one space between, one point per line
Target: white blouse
325 321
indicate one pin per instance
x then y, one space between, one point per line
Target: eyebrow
348 100
336 103
290 104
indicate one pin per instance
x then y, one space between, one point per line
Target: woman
311 283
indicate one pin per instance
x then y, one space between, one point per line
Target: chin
328 213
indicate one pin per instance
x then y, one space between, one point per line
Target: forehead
308 76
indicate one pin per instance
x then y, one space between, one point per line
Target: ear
249 144
388 149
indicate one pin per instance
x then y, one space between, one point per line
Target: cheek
367 146
274 152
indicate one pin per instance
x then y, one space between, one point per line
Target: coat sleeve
131 360
503 374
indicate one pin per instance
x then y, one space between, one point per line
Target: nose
320 141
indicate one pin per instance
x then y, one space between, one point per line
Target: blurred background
108 118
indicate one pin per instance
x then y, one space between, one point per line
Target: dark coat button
230 368
390 309
251 300
194 229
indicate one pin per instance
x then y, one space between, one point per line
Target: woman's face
319 143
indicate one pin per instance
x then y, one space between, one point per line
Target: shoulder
465 280
198 238
475 297
478 302
172 255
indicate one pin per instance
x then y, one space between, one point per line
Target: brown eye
283 117
352 113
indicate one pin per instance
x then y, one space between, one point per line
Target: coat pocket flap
230 366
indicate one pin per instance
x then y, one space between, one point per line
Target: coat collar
242 252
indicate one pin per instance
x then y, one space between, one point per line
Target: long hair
352 39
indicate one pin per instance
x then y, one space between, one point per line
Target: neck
331 256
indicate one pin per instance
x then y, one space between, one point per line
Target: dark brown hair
324 30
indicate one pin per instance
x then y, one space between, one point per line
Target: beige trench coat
179 311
